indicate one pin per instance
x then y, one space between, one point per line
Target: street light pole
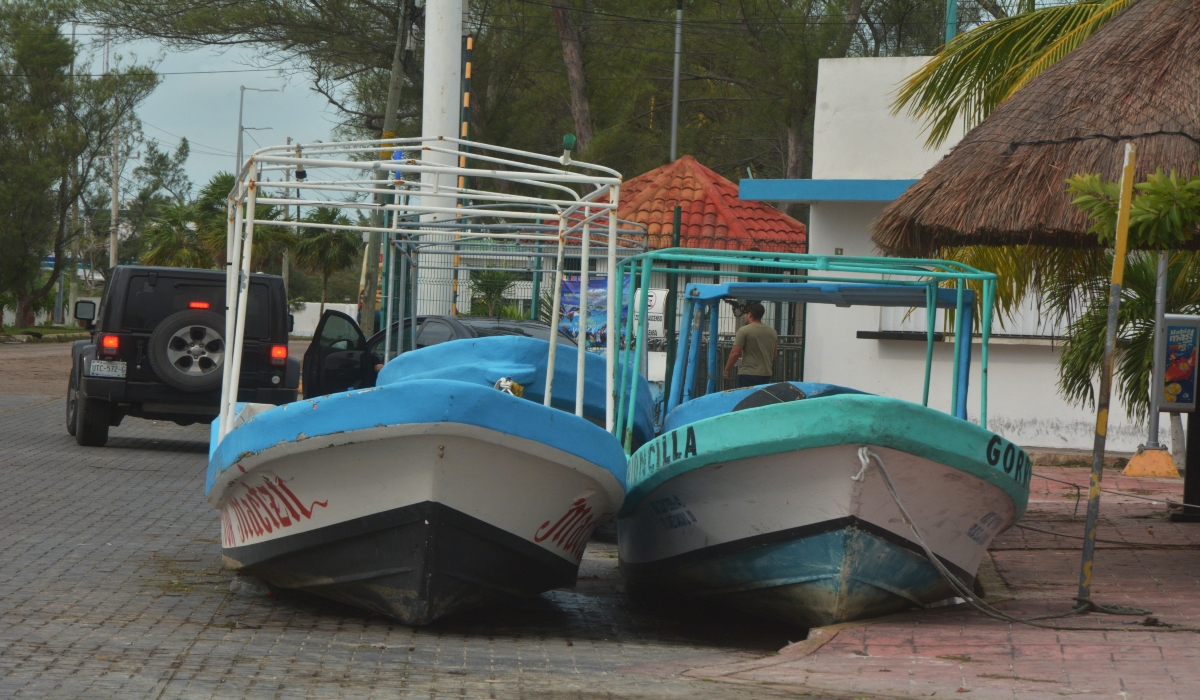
675 81
237 167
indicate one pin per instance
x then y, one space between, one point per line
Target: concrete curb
47 338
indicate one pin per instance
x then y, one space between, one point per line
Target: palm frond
981 68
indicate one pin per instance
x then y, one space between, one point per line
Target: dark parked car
158 350
341 358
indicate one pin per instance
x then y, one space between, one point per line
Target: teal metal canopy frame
838 280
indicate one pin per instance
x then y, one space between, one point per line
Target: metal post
643 309
951 20
554 317
1160 342
581 353
931 297
285 262
672 303
675 80
535 302
989 298
233 234
237 166
714 318
1191 475
1106 369
613 310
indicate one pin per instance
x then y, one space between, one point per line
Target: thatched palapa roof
1138 74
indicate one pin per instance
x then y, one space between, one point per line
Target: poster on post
597 312
1178 391
597 315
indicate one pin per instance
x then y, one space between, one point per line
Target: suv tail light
198 304
109 344
279 355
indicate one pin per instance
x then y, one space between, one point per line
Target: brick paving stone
111 586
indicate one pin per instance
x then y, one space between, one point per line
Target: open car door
336 359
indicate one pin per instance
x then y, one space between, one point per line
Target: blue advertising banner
1179 373
597 312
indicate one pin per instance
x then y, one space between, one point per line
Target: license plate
108 368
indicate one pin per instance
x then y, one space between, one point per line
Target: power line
182 72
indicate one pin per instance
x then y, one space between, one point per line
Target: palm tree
212 219
488 288
981 68
173 239
324 251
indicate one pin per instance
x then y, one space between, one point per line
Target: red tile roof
712 217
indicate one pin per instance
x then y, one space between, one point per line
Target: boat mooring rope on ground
866 455
1130 545
1169 502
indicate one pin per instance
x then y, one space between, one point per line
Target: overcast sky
204 106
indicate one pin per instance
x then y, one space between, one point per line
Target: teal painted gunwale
846 419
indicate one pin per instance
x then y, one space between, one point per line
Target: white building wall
857 137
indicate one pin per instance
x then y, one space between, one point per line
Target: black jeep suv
158 350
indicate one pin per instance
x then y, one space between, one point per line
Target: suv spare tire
187 350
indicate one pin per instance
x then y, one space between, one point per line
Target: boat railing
436 196
793 277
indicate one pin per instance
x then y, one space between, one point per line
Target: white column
440 117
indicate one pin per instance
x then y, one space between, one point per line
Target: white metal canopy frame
493 194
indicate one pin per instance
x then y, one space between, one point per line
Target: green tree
324 251
488 288
1164 215
51 122
981 68
173 239
541 69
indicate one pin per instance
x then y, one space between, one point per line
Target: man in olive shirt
755 343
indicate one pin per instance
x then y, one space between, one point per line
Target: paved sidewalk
956 650
111 587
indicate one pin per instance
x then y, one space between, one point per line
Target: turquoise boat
776 499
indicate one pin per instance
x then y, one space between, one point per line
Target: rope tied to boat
866 455
508 386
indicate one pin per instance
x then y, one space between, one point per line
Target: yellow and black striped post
464 133
1106 371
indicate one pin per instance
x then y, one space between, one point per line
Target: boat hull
417 520
415 563
799 532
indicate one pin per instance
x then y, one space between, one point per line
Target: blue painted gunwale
845 419
419 401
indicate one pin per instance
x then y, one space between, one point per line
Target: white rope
866 455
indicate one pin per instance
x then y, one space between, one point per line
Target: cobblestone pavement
110 586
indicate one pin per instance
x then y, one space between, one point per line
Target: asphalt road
111 586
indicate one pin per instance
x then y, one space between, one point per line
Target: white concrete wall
857 137
309 316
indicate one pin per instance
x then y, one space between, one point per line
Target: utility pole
375 241
237 168
68 181
675 81
287 258
116 174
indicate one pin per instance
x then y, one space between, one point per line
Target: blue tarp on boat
485 360
724 402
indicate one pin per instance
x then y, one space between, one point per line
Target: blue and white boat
432 492
474 470
772 499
